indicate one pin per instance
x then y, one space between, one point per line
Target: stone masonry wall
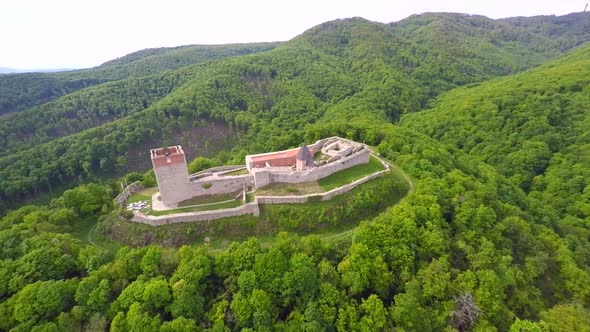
173 183
282 199
261 178
346 188
250 208
221 185
314 174
235 183
218 169
128 191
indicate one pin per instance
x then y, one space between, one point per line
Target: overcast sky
43 34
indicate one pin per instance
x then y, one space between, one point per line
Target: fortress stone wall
171 173
265 176
209 171
213 185
249 208
173 181
175 187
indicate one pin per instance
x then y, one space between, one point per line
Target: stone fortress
289 166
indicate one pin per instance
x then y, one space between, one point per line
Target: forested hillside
493 236
339 67
466 250
22 91
533 127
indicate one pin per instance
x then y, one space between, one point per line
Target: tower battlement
167 156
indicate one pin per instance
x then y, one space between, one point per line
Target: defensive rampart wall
264 177
251 208
128 191
221 184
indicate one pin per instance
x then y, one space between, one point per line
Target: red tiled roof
276 155
174 159
171 155
160 151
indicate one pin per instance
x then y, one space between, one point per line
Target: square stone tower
172 174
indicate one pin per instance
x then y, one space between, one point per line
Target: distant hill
5 70
340 70
22 91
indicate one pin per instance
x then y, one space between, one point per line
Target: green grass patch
361 202
224 205
242 171
349 175
86 231
149 191
208 199
142 195
288 189
249 197
138 197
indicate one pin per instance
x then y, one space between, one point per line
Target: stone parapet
250 208
218 169
128 191
216 185
314 174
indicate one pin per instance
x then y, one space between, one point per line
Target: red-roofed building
275 159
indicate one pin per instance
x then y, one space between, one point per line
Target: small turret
304 158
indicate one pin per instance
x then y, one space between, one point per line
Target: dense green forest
22 91
487 117
533 127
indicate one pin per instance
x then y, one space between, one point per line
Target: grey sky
86 33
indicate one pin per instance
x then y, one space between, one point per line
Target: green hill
337 70
533 127
22 91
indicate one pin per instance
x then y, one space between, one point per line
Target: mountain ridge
43 87
339 68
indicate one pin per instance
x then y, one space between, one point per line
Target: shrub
126 214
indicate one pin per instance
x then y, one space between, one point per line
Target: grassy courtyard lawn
288 189
208 199
226 205
349 175
142 195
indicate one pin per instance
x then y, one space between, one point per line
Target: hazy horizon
68 34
